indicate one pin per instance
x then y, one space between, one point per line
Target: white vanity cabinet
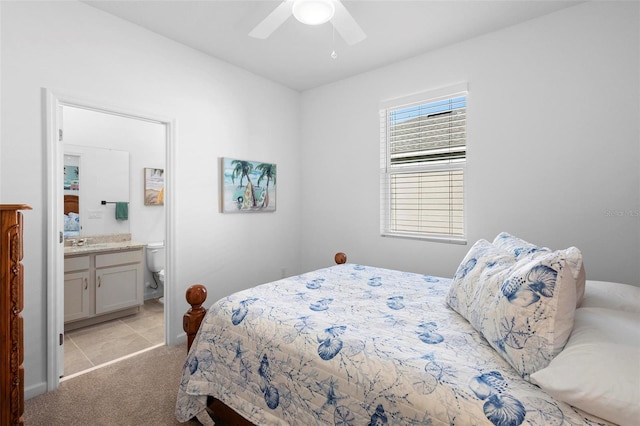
101 286
76 288
119 281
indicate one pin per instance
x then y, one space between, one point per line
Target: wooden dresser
11 305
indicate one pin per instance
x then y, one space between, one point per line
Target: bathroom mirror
97 159
94 175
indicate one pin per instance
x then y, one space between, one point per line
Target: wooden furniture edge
11 321
196 296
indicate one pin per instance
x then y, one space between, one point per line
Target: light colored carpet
140 390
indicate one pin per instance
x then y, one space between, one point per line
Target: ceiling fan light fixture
313 12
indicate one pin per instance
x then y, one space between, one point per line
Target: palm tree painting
247 186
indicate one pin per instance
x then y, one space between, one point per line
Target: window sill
432 238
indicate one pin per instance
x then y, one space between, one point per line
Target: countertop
102 247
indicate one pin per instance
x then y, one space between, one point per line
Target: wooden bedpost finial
196 296
340 258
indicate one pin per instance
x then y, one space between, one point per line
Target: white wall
0 102
553 145
219 110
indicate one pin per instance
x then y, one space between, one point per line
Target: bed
71 216
501 343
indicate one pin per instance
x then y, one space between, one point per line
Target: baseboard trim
35 390
180 339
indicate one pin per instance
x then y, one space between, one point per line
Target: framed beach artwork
153 187
71 177
247 186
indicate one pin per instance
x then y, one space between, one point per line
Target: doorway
67 126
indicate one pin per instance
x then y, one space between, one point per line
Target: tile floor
88 347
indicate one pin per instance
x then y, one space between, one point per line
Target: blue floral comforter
356 345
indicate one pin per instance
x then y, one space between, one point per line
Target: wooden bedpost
340 258
196 295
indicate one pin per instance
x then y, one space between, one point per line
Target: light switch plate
95 214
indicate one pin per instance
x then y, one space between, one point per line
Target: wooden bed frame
196 296
71 204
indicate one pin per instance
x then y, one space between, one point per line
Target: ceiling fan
312 12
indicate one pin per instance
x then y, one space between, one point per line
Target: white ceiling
299 56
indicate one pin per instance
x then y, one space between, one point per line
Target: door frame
54 101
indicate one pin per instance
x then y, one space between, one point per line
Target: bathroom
114 167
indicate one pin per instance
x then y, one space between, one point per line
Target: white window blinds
423 152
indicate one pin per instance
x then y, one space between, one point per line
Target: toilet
155 262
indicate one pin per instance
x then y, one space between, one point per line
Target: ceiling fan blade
273 20
346 26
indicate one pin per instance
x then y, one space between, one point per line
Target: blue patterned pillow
519 306
72 222
520 248
516 246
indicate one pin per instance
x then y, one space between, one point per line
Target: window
423 154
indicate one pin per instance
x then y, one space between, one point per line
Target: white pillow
521 248
599 369
523 308
604 294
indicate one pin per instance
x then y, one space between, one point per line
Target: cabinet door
118 287
76 296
